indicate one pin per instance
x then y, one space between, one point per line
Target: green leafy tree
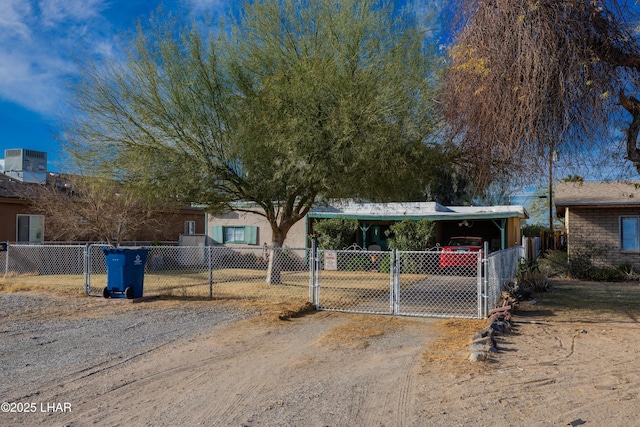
293 102
335 233
412 235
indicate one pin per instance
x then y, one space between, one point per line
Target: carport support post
364 228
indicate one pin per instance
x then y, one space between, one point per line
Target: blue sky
40 41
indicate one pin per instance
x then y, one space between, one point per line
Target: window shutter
216 234
251 235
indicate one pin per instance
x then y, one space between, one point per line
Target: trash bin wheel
106 293
128 292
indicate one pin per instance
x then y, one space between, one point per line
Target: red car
461 252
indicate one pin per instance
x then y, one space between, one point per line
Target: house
21 221
602 217
499 225
17 221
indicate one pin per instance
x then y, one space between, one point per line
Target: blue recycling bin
125 272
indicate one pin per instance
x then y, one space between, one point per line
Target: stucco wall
8 218
599 228
296 238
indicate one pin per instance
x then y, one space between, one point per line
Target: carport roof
414 210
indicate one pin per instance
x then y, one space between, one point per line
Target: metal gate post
312 270
210 260
485 280
316 279
87 269
394 281
6 264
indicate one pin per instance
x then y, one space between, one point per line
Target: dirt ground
571 359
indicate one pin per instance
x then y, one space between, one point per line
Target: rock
478 356
489 340
479 347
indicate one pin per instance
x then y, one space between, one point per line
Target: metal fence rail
431 283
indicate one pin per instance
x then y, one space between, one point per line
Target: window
30 229
189 228
629 233
234 234
247 235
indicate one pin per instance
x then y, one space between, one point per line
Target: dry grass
451 346
359 331
64 284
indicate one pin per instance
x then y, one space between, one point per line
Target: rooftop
601 194
414 210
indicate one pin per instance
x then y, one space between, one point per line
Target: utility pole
551 154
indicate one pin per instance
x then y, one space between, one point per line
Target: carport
498 225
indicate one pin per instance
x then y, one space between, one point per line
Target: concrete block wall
599 228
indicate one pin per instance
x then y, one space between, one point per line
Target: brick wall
599 228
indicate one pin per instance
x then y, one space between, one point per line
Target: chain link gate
354 281
424 287
399 282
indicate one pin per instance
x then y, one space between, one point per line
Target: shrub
358 262
628 272
532 230
335 233
385 265
602 274
411 235
533 282
554 263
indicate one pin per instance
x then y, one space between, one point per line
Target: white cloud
38 45
58 11
41 40
198 6
14 17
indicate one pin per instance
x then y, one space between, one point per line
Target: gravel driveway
38 340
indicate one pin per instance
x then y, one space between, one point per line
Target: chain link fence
49 266
217 272
501 269
431 283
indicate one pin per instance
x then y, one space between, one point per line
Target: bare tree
89 208
528 78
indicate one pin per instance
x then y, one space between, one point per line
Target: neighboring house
20 222
602 217
17 223
499 225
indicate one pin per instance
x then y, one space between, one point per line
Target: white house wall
296 237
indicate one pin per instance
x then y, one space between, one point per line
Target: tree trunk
275 258
632 105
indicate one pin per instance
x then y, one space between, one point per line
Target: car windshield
465 242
